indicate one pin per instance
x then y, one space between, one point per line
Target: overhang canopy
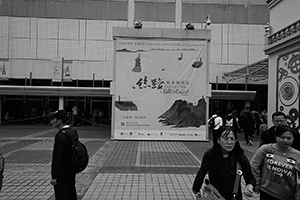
257 71
232 95
54 91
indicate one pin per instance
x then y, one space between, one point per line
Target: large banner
160 89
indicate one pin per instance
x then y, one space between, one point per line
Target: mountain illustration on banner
183 114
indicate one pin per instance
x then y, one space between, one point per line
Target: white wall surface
32 44
284 13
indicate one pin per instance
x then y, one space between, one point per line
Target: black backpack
79 157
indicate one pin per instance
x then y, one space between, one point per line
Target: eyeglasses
227 139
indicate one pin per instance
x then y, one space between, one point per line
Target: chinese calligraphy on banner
160 89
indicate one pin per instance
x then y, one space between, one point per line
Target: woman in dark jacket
220 163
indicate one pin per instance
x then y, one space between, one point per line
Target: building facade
282 45
58 53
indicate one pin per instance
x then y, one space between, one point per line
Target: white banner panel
160 89
57 71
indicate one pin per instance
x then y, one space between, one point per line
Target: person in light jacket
218 123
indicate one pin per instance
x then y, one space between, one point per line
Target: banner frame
160 34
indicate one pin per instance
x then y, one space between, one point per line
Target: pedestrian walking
75 112
220 162
257 122
248 125
230 119
215 122
62 178
275 167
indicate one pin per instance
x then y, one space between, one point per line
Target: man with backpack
214 123
62 178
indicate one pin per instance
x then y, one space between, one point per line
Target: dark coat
62 153
223 177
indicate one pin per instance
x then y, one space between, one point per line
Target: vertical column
61 103
178 14
130 17
0 110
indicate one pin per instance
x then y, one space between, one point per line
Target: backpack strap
71 137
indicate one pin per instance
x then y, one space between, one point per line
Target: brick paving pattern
141 170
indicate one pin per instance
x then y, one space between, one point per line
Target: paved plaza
118 170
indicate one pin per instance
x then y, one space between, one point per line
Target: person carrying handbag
220 163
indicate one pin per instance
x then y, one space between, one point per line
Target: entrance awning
257 71
232 95
55 91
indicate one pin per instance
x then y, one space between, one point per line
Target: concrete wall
283 14
35 33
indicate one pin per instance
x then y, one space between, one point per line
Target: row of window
74 39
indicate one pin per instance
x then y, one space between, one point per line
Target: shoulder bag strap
237 180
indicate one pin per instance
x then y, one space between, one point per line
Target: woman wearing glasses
220 162
275 166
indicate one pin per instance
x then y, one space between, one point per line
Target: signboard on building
4 69
62 70
57 71
160 89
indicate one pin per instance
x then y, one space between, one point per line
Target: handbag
211 193
297 193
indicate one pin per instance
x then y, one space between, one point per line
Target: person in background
220 162
267 137
62 178
263 125
95 116
230 119
275 166
248 125
257 122
75 112
218 123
